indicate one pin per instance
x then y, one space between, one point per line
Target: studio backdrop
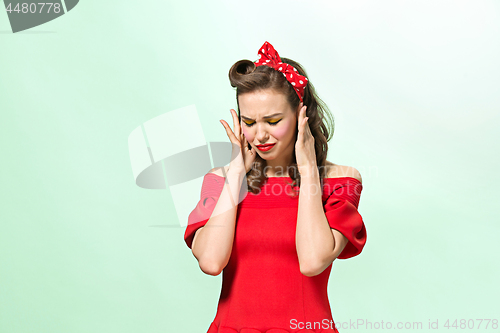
110 119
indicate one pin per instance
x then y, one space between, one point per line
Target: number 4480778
471 324
33 7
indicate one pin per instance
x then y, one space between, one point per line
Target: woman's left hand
304 147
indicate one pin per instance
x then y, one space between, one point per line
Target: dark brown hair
246 77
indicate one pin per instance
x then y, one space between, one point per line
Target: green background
413 87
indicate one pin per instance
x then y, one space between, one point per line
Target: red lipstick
266 147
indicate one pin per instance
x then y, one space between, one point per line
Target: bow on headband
269 56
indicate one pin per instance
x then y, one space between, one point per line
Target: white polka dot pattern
269 56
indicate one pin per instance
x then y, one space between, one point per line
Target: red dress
263 290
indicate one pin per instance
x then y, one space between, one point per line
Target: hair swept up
246 77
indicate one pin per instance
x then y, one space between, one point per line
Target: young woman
276 218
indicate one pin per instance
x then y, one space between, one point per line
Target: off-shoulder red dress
263 290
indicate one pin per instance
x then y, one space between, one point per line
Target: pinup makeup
266 117
266 147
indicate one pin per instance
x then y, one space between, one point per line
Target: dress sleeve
210 191
341 210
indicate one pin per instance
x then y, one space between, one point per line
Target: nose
262 135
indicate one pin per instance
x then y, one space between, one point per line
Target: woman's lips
266 147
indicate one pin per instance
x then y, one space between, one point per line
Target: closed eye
269 122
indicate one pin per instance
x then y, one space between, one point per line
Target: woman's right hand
242 158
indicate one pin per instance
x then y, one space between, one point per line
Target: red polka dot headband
269 56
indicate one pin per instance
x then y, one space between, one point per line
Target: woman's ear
301 104
297 112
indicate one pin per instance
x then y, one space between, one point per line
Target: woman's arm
212 243
318 245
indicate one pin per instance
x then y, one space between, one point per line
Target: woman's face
266 118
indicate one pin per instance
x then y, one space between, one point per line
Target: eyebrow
266 117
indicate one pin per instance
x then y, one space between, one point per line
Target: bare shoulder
218 171
336 170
